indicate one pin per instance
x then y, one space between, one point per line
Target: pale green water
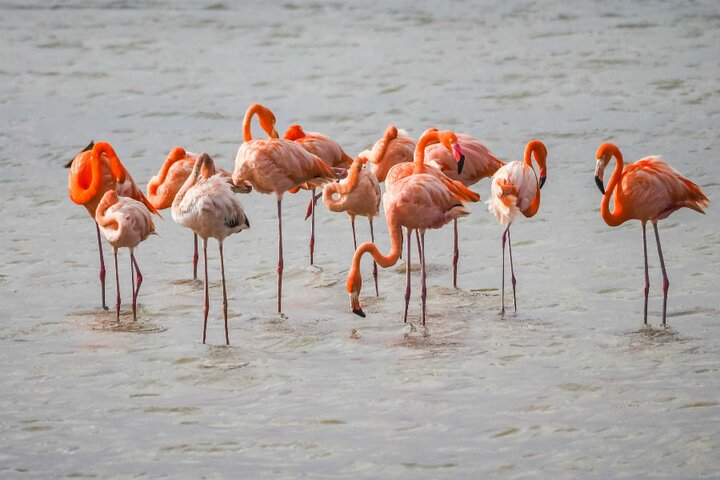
567 388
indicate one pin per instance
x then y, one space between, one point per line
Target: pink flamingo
94 171
329 152
394 147
358 194
647 190
515 189
206 205
275 165
124 222
163 187
417 202
478 163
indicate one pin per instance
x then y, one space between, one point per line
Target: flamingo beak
89 147
459 157
599 184
355 305
542 181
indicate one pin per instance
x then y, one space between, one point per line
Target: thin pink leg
375 269
280 255
195 256
225 302
512 270
132 283
117 285
102 268
407 275
456 254
207 293
312 228
423 276
502 287
666 282
137 286
647 274
352 224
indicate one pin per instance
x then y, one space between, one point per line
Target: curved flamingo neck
108 200
266 119
391 133
537 148
354 283
341 188
190 181
177 154
428 138
617 216
81 195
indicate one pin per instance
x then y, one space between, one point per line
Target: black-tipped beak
542 181
461 163
599 184
359 312
89 147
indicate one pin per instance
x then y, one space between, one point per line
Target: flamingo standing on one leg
417 201
358 194
515 189
395 146
163 187
124 222
206 205
275 165
647 190
479 162
94 171
329 152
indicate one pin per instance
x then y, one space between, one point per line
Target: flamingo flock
426 185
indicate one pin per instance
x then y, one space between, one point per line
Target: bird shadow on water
648 337
106 321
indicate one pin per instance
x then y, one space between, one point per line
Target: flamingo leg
102 267
666 282
195 256
132 284
407 275
117 285
312 228
280 255
512 269
225 302
137 285
647 274
375 269
207 293
456 253
352 223
502 285
423 276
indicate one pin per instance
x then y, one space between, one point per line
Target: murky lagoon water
570 387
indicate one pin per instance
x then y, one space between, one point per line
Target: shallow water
569 387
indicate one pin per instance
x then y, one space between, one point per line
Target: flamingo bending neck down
125 223
394 147
94 171
515 190
206 204
647 190
275 165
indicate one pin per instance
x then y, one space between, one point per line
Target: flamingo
416 201
163 187
275 165
479 162
394 147
206 205
647 190
329 152
94 171
124 222
515 189
358 194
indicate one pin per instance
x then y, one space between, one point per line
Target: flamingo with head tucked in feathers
94 171
516 190
647 190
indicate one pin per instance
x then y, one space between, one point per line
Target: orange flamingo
478 162
329 152
515 189
94 171
163 187
275 165
647 190
417 201
124 222
358 194
206 205
394 147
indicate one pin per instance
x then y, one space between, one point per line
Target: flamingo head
506 187
207 165
354 284
86 149
267 122
604 155
450 141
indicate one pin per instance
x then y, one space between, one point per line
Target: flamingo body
395 147
479 160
